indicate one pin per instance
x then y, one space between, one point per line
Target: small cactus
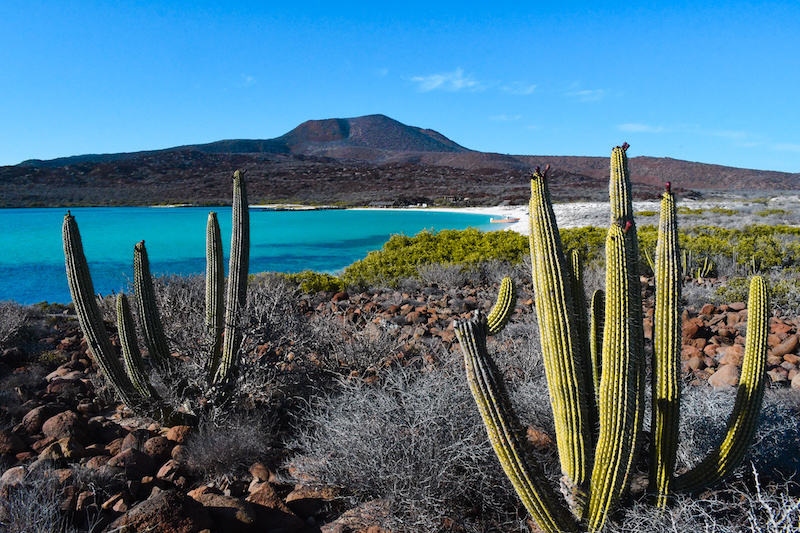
130 382
596 370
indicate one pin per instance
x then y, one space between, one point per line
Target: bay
32 260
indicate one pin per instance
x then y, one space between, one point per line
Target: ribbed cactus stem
215 292
561 349
621 404
744 418
152 329
131 354
619 187
237 281
502 426
666 354
575 271
89 315
503 308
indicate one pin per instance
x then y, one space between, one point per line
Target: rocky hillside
351 161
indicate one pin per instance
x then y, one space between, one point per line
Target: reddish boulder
165 512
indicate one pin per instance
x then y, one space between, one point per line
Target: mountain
351 161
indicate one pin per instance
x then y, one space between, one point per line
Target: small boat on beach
505 220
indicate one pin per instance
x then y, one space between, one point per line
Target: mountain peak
331 137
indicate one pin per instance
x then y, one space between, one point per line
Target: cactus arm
503 308
575 272
621 403
560 347
237 281
131 354
744 418
666 355
215 290
596 337
502 426
89 316
152 329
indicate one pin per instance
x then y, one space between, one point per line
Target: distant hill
351 161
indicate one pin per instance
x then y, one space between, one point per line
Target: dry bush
33 506
444 275
224 445
12 317
415 440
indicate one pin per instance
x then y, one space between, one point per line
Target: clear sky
716 82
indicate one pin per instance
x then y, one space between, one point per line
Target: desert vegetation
349 408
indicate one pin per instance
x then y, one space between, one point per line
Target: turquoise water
32 257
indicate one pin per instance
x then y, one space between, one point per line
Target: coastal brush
131 382
596 371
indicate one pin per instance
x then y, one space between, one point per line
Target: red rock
229 514
707 309
725 376
787 346
737 306
179 434
66 424
158 447
366 518
791 358
307 501
33 419
796 381
732 355
165 512
136 464
135 440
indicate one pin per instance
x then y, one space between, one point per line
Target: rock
135 440
68 448
270 509
366 518
11 443
792 358
33 419
158 447
725 376
306 501
737 306
229 514
13 476
66 424
136 464
732 355
260 471
787 346
165 512
796 382
178 434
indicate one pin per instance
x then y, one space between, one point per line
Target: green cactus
602 366
131 383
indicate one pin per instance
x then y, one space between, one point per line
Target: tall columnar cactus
131 382
606 371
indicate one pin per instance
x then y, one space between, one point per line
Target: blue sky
716 82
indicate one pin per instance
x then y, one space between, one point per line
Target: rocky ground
59 424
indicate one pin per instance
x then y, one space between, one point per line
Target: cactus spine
611 361
131 382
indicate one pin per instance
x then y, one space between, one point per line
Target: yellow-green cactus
610 361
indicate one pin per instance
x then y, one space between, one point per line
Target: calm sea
32 257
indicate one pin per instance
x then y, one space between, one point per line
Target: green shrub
311 282
772 211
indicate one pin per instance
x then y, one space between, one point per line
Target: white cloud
448 81
588 95
505 118
633 127
518 87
